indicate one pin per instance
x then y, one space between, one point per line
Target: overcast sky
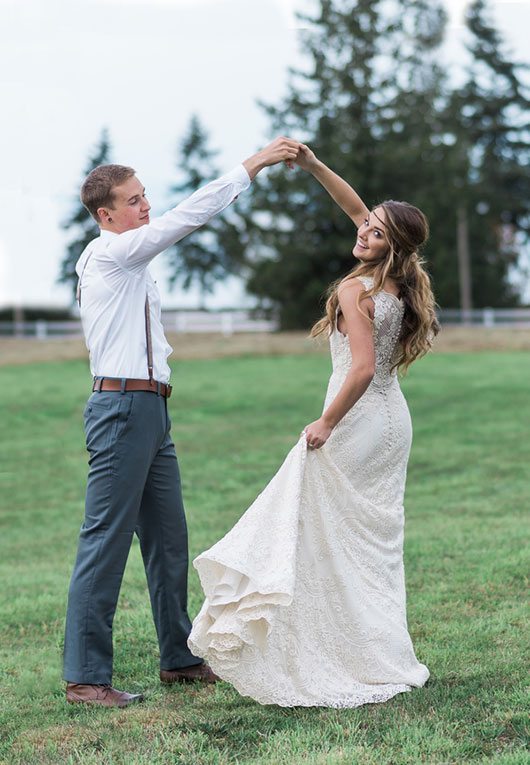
140 67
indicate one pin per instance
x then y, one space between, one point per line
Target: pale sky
141 68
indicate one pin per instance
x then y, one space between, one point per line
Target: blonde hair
407 230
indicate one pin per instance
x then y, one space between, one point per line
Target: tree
80 222
492 127
217 249
367 104
376 104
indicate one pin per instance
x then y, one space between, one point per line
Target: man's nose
145 205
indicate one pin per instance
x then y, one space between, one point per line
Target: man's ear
104 215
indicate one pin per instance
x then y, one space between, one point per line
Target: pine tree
80 222
216 250
377 106
492 110
368 107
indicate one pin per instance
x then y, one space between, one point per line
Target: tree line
376 103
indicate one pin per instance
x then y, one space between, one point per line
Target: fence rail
223 322
230 322
486 317
41 329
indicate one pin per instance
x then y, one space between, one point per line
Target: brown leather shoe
198 672
104 695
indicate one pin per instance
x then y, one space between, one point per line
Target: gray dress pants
133 486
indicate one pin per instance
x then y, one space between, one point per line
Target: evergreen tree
80 222
376 105
492 118
217 249
368 107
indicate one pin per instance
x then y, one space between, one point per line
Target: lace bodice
388 315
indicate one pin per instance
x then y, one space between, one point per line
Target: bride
305 596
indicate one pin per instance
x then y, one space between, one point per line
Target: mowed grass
234 420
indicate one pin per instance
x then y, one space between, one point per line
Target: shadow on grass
239 728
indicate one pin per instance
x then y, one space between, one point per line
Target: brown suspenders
148 338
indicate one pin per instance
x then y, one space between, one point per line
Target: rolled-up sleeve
134 249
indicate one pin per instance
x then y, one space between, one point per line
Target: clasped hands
291 152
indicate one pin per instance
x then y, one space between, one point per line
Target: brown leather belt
126 384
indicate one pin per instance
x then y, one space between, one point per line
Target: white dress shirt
114 280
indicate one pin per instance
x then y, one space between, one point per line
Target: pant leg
163 539
121 439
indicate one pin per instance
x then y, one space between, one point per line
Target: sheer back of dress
388 315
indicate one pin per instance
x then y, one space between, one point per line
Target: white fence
40 329
230 322
486 317
224 322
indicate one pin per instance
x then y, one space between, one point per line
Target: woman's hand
306 158
317 433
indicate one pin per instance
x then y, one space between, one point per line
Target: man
133 482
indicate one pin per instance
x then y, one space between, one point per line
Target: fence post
18 321
41 329
488 317
180 323
227 324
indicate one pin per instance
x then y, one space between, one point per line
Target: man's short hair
98 189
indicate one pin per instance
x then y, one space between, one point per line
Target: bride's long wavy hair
407 230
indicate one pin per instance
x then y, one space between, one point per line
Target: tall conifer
366 104
216 250
492 116
83 227
376 103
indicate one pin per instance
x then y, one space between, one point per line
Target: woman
305 596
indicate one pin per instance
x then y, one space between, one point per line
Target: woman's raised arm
343 194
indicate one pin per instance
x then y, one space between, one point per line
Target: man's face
130 209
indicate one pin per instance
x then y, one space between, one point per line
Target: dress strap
367 281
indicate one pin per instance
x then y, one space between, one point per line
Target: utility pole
464 264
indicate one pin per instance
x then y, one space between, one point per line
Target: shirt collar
105 234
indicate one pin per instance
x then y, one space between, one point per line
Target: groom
133 482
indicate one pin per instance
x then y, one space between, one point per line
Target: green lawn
233 421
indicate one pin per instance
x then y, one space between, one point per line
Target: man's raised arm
135 248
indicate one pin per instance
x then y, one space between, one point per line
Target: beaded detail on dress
388 315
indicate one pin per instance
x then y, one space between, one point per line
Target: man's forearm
134 249
254 164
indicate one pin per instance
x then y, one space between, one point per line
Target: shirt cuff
240 175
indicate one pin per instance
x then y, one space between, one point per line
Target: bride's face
372 244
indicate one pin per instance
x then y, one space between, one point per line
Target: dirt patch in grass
15 351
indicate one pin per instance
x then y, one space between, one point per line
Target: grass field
234 419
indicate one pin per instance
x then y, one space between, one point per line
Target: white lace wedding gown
305 596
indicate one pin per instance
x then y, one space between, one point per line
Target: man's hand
306 159
317 433
280 150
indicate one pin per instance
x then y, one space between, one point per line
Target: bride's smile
372 243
